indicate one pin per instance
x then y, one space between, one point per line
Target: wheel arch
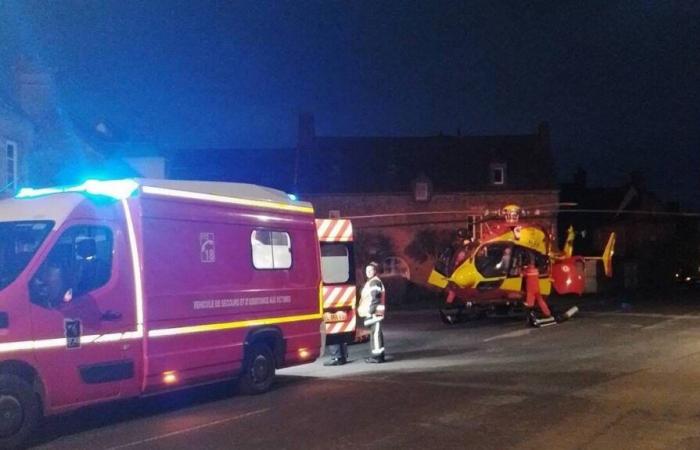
27 372
270 336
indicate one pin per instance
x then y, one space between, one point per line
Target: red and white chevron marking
339 296
342 327
334 230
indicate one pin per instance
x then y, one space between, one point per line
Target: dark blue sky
617 80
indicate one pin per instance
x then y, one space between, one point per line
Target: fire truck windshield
19 241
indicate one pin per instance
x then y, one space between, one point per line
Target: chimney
307 131
35 90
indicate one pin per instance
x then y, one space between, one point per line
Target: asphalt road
606 379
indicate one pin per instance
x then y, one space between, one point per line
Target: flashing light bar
117 189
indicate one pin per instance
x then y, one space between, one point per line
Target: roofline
404 193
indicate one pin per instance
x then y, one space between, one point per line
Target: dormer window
422 189
498 174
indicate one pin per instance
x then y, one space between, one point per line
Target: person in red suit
534 296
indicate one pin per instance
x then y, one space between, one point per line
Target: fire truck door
82 314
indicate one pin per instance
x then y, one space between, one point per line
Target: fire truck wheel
19 411
258 370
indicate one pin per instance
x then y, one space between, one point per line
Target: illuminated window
498 174
10 166
271 249
335 263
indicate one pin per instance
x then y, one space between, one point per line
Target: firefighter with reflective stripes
371 309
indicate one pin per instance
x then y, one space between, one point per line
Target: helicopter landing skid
552 320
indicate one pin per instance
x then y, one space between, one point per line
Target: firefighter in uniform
338 350
371 309
533 295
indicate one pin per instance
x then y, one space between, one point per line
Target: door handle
111 315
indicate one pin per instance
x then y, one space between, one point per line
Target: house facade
408 195
41 146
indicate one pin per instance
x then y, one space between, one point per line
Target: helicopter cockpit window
522 257
494 260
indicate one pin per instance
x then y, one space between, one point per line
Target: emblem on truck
73 329
207 248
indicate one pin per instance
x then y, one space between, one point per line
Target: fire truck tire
258 370
20 411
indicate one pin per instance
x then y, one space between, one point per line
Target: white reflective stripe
348 296
336 230
133 335
136 268
378 351
48 343
41 344
226 199
330 294
348 232
89 339
114 337
323 227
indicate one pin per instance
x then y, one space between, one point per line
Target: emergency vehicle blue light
117 189
31 192
292 197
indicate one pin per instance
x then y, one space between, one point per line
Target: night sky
617 80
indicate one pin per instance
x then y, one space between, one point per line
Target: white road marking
648 315
188 430
512 334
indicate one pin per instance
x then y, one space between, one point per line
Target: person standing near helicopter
371 309
534 296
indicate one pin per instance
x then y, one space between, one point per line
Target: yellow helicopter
488 273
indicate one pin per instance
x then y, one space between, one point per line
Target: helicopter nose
465 276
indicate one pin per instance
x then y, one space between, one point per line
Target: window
335 263
79 262
504 259
498 174
19 241
271 249
422 193
395 266
10 166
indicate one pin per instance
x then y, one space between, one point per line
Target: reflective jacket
372 298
